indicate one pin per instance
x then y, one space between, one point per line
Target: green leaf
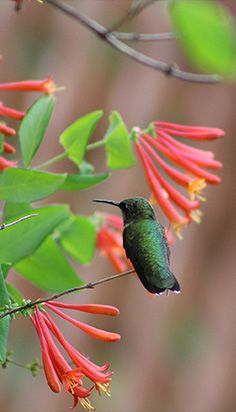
86 168
1 142
19 241
78 238
22 185
75 138
118 144
80 181
5 269
15 295
4 297
4 323
208 34
12 210
34 125
48 268
4 330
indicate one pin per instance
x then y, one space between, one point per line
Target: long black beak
110 202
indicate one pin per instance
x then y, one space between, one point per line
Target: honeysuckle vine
79 236
43 249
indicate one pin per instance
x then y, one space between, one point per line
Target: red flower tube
57 370
157 152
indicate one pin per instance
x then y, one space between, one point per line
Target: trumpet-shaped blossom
5 163
57 370
45 86
109 241
183 164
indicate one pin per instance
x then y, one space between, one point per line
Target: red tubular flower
57 369
4 163
89 308
8 148
9 131
109 242
9 112
45 86
49 370
160 195
157 152
90 330
192 132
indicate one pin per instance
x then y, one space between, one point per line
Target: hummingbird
146 245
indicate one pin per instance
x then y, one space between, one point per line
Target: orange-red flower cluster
160 152
44 86
57 369
110 243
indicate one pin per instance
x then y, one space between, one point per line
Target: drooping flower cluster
160 150
44 86
57 369
109 241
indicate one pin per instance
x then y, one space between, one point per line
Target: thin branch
5 225
145 36
133 11
89 285
110 38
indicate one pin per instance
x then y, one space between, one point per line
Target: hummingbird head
133 208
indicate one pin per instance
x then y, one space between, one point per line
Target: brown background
178 353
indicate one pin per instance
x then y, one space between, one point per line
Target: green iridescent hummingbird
145 243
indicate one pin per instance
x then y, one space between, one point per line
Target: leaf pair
116 141
76 137
25 185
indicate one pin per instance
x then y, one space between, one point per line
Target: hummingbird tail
176 287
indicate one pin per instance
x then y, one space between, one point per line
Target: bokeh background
177 353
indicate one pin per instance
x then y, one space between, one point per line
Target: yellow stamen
196 216
152 200
86 404
72 383
195 188
178 227
51 87
105 388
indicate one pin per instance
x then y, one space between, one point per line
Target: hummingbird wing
147 248
161 230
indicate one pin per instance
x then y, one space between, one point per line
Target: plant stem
53 160
95 145
63 155
89 285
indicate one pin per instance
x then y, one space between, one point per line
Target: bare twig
110 38
89 285
145 36
5 225
133 11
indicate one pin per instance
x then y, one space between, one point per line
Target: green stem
52 160
63 155
95 145
20 365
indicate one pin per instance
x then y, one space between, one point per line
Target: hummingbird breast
146 246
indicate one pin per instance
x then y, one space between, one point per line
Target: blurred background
177 353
